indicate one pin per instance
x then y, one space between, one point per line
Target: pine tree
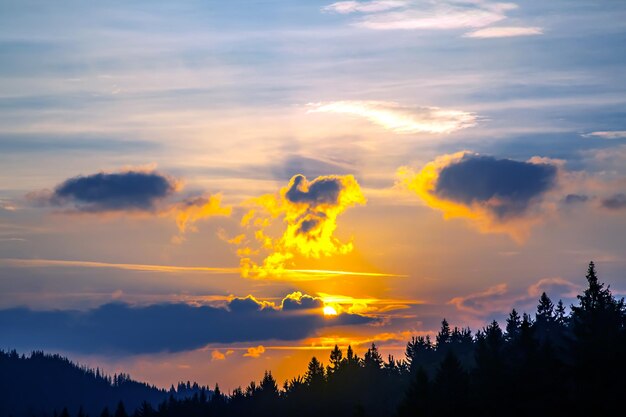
598 325
545 309
560 314
315 373
145 410
372 358
120 411
217 396
417 396
451 387
513 324
443 337
268 386
336 357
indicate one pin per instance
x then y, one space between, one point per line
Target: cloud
7 205
118 328
496 195
191 210
299 301
615 134
498 298
504 32
491 299
555 285
248 304
216 355
107 192
344 7
255 352
430 15
576 198
615 202
309 211
293 274
400 119
132 191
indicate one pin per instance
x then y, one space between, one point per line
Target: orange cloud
309 211
191 210
216 355
255 352
494 195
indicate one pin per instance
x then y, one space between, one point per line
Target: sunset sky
203 190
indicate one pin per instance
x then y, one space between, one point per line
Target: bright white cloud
431 15
401 119
504 32
345 7
445 18
615 134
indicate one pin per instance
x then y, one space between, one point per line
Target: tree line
555 362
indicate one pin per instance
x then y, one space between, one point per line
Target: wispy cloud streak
504 32
430 15
398 118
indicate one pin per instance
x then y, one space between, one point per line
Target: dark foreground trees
551 364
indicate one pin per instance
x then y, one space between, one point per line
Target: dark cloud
323 190
131 190
505 186
575 198
247 304
299 301
120 328
615 202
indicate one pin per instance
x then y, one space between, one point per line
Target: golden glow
287 274
330 311
424 184
309 230
188 212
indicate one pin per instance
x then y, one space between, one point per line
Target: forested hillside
557 361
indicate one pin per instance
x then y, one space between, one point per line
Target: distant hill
40 384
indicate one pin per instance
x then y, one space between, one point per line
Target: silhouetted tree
513 324
416 400
120 411
315 373
560 315
443 337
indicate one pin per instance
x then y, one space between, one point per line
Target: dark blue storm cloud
305 302
320 191
131 190
615 202
575 198
507 186
121 328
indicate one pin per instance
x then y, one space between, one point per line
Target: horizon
204 190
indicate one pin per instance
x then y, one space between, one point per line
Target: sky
204 190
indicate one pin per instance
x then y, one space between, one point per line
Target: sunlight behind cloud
309 211
494 195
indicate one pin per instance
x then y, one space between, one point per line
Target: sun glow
330 311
